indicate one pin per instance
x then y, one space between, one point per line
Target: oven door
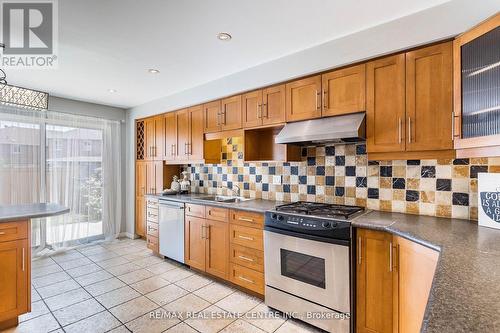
313 270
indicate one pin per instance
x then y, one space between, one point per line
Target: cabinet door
416 268
231 113
273 105
375 282
140 216
217 248
252 109
150 137
194 242
196 142
385 108
150 177
14 285
211 116
344 91
182 117
158 177
429 98
159 147
140 178
303 99
170 136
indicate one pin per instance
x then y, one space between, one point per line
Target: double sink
223 199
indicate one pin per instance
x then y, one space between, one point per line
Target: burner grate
319 209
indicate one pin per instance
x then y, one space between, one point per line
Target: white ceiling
110 44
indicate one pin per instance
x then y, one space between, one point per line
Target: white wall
430 25
101 111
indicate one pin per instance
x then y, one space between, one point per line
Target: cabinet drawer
245 236
195 210
13 230
153 203
152 215
245 256
152 229
247 278
248 219
152 243
217 214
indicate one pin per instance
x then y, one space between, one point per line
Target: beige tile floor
121 287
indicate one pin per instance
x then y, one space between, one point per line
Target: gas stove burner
319 209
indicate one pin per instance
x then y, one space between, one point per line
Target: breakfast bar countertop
10 213
466 285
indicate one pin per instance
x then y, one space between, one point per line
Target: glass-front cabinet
477 90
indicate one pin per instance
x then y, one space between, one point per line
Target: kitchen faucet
235 192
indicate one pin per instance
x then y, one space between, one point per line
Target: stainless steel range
307 262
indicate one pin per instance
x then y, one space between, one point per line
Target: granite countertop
465 291
253 205
29 211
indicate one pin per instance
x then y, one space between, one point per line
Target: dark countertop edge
37 211
251 205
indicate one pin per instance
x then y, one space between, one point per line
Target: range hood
348 128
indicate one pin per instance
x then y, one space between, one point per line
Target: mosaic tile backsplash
343 174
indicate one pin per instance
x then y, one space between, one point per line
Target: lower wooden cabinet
394 277
15 268
207 241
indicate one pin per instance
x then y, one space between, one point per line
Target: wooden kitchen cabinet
140 216
195 247
212 116
429 98
344 91
303 99
15 268
182 122
217 248
376 282
140 191
170 120
231 113
149 138
394 279
140 178
385 108
195 137
264 107
154 138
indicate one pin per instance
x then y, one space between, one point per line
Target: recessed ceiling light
112 90
224 36
153 71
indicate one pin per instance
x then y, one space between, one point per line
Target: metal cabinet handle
317 95
218 119
409 129
452 125
259 111
23 259
224 113
245 238
359 250
246 219
267 110
390 257
324 99
246 258
185 148
245 279
400 127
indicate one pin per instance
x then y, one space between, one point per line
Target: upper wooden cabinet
182 120
385 108
231 113
195 137
211 117
429 98
344 91
170 140
409 104
264 107
303 99
476 90
394 278
154 138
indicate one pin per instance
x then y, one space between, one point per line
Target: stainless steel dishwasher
171 233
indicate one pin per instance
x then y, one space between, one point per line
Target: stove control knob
280 218
334 224
274 216
326 224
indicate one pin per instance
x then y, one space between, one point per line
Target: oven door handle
343 242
